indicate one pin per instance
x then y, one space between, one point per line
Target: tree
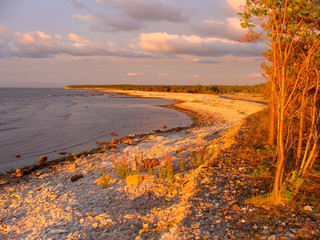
290 29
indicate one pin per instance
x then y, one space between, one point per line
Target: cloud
85 18
146 10
229 29
41 45
199 75
205 61
235 5
129 15
163 74
255 76
164 43
77 4
133 74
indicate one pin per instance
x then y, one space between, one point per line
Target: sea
38 121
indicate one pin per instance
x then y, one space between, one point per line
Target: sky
45 43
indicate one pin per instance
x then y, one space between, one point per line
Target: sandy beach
203 199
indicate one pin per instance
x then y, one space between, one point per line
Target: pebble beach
199 201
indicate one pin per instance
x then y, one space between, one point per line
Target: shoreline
200 118
48 204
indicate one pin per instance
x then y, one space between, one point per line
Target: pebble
307 208
58 231
76 177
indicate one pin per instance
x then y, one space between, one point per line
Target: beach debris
19 173
43 161
18 155
76 177
114 134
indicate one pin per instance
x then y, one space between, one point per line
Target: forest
211 89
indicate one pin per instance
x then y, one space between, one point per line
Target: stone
236 207
19 173
58 231
133 180
114 134
307 208
164 126
43 158
18 155
76 177
95 225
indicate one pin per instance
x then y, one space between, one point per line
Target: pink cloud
165 43
133 74
254 76
38 44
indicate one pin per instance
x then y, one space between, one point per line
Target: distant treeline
211 89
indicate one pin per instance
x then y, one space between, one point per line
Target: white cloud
163 74
164 43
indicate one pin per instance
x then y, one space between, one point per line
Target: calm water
35 122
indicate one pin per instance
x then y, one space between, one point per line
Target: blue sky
62 42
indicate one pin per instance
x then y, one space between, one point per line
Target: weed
104 181
182 164
291 185
261 171
123 169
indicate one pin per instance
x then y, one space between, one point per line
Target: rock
236 207
164 126
19 173
95 225
43 158
58 231
42 164
307 208
187 131
114 134
62 153
133 180
76 177
18 155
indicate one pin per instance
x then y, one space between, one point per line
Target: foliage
123 168
291 185
291 31
261 171
166 171
104 181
